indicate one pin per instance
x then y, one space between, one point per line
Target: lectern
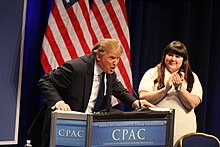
150 128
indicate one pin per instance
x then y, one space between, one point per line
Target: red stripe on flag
88 22
122 6
100 21
124 75
65 35
44 61
54 46
78 30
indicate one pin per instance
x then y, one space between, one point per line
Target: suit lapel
88 81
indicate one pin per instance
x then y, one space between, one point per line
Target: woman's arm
156 96
189 99
152 96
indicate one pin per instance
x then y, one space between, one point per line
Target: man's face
109 61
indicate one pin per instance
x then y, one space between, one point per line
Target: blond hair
105 45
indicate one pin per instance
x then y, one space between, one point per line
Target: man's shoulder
87 58
82 63
82 59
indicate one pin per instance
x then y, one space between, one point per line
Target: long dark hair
178 48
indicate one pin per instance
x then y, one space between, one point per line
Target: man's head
107 53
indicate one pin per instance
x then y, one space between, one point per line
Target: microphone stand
142 108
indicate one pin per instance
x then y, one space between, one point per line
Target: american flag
74 26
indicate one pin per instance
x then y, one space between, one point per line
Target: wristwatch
178 88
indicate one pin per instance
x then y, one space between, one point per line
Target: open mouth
112 69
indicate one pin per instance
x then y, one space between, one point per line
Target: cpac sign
131 134
71 133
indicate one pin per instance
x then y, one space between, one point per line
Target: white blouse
185 121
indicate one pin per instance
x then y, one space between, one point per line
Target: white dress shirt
95 88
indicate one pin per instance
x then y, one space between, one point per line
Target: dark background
152 24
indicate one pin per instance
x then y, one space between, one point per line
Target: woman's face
173 62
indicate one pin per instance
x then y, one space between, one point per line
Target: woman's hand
169 84
177 81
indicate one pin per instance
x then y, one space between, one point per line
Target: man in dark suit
75 84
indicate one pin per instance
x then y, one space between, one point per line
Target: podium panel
68 129
125 129
139 129
129 133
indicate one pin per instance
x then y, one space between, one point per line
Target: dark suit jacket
72 82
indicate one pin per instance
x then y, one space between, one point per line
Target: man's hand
142 103
61 105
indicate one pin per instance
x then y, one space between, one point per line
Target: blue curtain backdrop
152 24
